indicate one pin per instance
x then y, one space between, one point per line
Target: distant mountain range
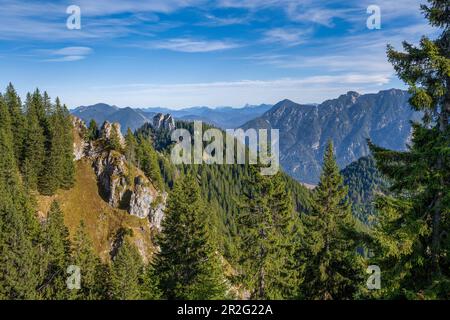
222 117
348 121
305 129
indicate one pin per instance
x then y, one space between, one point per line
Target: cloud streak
66 54
189 45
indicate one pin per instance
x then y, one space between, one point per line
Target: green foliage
364 182
56 254
19 229
93 131
125 275
130 147
334 270
150 287
410 239
147 160
84 257
269 230
17 121
188 264
43 141
114 142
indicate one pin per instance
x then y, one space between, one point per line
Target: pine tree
269 230
411 236
334 269
148 161
67 179
56 245
93 131
126 272
17 121
84 257
51 173
34 148
150 284
114 140
19 229
130 147
188 263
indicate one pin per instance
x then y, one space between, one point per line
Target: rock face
157 213
348 121
111 171
120 184
141 199
79 144
161 121
108 129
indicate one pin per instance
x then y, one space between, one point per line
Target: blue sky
181 53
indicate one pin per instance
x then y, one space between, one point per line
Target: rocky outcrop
120 184
157 213
79 144
142 198
108 130
161 121
112 172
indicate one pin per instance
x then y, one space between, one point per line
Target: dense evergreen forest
230 232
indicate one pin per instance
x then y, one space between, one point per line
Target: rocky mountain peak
349 98
120 184
161 121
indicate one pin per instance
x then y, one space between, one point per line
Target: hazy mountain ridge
222 117
348 121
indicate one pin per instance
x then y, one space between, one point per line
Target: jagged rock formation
79 144
161 121
112 172
108 130
120 184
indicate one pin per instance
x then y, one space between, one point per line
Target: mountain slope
126 117
364 182
348 121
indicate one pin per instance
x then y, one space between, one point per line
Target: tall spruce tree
150 284
411 240
93 131
147 160
130 147
56 246
83 256
34 146
67 179
19 229
334 269
269 231
18 128
126 273
188 263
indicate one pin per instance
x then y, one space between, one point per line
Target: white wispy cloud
193 45
65 54
66 59
286 36
215 21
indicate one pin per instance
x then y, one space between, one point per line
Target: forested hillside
364 182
